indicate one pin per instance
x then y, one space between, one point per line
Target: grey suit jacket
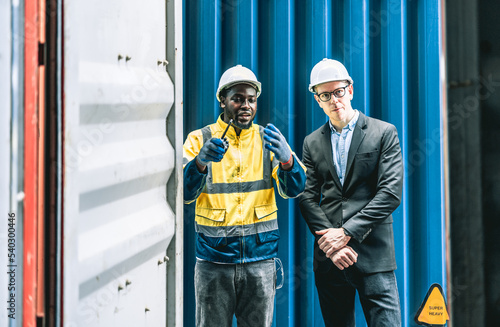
364 204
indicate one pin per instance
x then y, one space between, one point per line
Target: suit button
338 225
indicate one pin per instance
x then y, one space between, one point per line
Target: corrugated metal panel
33 158
117 162
392 49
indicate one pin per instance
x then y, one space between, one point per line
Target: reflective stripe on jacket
236 212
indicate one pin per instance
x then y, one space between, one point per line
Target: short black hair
223 92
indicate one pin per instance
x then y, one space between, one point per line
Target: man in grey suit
354 183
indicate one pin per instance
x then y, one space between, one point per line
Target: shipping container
394 52
91 169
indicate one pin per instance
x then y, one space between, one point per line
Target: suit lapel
327 144
357 137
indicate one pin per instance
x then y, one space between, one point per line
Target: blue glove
277 143
213 150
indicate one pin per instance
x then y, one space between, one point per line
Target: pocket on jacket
367 155
264 210
213 242
263 234
216 215
212 231
365 164
265 237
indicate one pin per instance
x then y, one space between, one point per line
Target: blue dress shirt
341 142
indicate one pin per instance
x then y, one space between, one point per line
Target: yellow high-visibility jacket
236 212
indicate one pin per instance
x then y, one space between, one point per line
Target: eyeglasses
338 93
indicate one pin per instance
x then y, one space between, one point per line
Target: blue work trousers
245 290
378 294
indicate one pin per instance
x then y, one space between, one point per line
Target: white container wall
5 144
122 143
11 161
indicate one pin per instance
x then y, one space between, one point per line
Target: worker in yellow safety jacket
229 169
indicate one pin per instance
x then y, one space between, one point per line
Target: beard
242 126
237 124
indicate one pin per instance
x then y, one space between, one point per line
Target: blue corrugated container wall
392 50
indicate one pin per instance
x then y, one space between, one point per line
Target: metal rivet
160 262
120 287
166 259
120 57
146 309
127 58
127 282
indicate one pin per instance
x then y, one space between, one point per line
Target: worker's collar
231 132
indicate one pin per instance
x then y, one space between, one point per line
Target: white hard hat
238 75
328 70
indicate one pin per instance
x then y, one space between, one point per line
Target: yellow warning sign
433 311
